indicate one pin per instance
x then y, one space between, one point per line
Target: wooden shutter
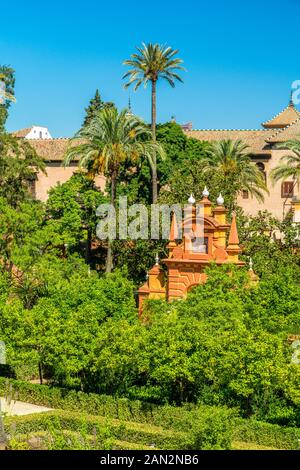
287 189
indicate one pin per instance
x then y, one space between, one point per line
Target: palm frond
289 165
151 62
110 138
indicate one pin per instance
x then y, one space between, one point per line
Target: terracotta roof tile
284 118
254 138
22 132
290 132
52 149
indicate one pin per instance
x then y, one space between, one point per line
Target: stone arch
190 279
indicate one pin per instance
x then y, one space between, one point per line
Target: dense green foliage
180 151
205 420
71 213
138 255
121 430
224 345
266 434
57 332
231 160
110 139
96 104
271 243
19 165
64 320
7 75
215 426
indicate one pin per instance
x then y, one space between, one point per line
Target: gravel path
19 408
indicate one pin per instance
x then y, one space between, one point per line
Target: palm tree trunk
153 128
109 256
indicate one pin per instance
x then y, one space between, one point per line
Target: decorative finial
156 259
220 200
129 111
291 103
191 200
251 264
205 192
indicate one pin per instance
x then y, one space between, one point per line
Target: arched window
261 167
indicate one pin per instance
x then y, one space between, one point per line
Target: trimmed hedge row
265 434
39 441
122 409
72 400
211 419
121 431
208 427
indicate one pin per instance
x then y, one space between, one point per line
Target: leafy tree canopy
96 104
7 75
19 165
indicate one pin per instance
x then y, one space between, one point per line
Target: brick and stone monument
189 256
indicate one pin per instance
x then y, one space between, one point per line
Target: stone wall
273 201
55 173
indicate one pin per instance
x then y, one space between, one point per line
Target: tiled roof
283 119
22 132
290 132
52 150
254 138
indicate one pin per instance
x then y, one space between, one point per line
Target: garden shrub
126 431
271 435
207 426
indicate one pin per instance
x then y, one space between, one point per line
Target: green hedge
211 424
108 406
72 400
208 427
125 431
271 435
71 440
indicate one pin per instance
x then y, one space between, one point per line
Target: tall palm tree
230 162
289 165
110 138
149 64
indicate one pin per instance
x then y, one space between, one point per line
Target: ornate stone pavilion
189 256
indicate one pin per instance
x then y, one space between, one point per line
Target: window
287 189
245 194
261 168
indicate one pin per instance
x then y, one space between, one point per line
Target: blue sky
241 58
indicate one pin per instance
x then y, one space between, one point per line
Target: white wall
38 132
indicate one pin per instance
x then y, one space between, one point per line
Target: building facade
265 153
52 151
262 145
